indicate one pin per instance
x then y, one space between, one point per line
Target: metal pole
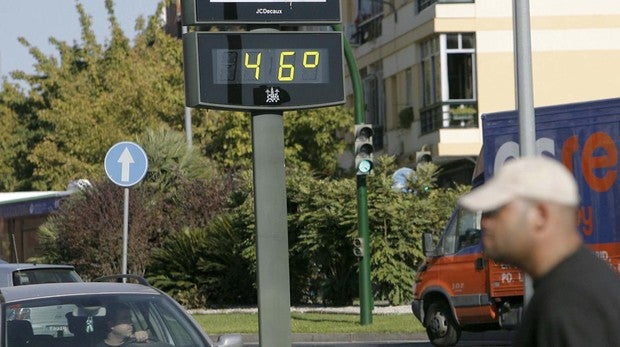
188 115
525 94
274 311
366 300
125 229
365 282
188 126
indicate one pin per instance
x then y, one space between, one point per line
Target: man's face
123 326
505 232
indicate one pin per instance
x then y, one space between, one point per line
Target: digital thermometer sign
263 70
199 12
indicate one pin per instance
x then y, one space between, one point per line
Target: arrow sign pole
125 231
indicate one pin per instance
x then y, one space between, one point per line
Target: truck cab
457 288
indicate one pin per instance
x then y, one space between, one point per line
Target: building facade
430 68
21 215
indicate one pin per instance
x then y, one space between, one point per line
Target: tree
323 220
314 138
13 144
93 97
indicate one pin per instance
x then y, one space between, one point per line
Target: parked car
77 314
18 274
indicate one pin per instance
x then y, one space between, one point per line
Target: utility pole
524 93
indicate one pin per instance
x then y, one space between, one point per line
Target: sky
38 20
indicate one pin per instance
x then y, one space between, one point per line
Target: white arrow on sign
125 160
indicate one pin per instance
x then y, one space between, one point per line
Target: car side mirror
230 340
428 248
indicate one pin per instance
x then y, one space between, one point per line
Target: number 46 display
260 66
263 70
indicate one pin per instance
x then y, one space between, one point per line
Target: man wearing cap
529 219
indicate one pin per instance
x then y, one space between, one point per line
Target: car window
44 275
83 321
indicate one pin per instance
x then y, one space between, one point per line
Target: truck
456 287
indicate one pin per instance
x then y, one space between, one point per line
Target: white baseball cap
536 178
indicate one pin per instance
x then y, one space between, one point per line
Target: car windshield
86 320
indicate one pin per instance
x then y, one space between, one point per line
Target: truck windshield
463 231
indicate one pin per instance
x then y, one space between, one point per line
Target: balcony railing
368 29
448 115
422 4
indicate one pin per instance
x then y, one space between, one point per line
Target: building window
409 87
448 82
431 72
460 51
420 5
368 21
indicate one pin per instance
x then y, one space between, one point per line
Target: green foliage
88 231
13 145
226 137
93 97
322 226
397 221
176 194
313 138
323 219
203 268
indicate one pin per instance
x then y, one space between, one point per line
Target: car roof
26 266
50 290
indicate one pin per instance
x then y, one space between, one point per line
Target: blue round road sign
126 163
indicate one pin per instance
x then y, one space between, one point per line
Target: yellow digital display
260 66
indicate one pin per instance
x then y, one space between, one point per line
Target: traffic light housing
363 149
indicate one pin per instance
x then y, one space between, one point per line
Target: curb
347 337
379 310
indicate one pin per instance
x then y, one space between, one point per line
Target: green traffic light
364 167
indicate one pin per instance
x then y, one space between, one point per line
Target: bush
204 267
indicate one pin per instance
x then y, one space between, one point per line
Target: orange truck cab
457 288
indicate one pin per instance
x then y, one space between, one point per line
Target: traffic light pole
366 302
364 276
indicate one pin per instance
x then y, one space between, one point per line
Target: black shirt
576 304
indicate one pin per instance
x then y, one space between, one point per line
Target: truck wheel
441 326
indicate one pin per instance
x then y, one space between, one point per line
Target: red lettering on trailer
599 159
592 161
569 148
